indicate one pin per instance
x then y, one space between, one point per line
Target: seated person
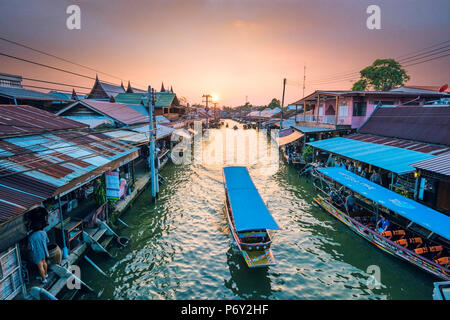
333 197
350 203
385 224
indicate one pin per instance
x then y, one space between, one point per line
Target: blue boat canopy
247 206
393 159
426 217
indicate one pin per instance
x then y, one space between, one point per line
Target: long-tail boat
248 217
417 234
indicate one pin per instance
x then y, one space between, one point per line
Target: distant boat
235 127
248 218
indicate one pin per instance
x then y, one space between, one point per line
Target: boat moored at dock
416 234
248 218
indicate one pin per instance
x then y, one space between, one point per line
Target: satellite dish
443 88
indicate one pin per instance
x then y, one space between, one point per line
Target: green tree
275 103
382 75
360 85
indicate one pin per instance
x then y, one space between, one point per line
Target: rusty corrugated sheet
36 167
25 120
424 124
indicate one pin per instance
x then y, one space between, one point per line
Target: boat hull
253 258
383 243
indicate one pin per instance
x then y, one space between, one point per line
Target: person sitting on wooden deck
385 224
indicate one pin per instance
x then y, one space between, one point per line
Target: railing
329 119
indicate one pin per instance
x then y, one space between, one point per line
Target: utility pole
207 97
215 114
152 138
304 83
282 104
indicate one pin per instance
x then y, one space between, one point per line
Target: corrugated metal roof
440 164
161 130
25 94
22 120
307 129
92 122
110 89
405 144
424 124
164 99
130 98
34 168
114 110
390 158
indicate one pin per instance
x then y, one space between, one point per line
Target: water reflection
245 282
181 247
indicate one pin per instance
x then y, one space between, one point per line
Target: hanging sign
112 185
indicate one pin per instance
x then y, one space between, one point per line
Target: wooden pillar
318 107
304 110
337 111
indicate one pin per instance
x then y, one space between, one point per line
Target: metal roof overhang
390 158
428 218
295 135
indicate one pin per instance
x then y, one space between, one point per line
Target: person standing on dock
37 243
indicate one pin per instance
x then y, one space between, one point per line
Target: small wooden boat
248 218
417 234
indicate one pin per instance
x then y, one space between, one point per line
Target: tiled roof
25 120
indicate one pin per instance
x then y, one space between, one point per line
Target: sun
215 97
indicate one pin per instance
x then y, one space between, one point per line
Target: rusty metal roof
25 120
423 124
36 167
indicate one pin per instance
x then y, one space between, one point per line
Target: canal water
181 248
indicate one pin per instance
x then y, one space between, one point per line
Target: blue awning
390 158
247 206
426 217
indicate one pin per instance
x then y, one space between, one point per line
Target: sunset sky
232 48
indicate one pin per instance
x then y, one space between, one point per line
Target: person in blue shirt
350 202
37 243
383 224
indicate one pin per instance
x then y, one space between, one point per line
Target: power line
402 58
63 59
